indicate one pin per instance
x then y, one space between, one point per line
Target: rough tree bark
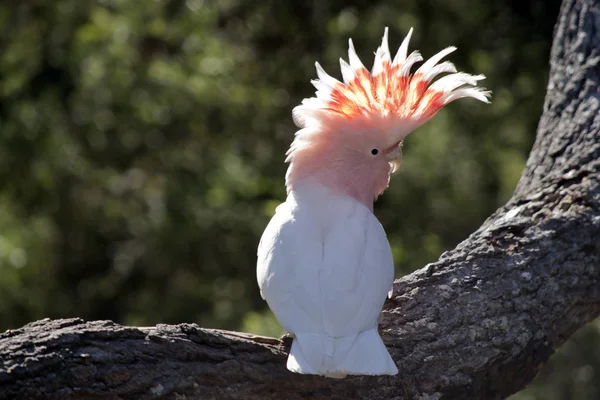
477 324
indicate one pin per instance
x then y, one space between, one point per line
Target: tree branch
477 324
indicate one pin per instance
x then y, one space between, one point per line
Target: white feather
403 49
353 59
413 58
445 67
382 55
450 82
320 85
306 114
325 268
323 90
325 77
385 47
474 92
347 71
429 64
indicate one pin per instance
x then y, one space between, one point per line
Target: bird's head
352 131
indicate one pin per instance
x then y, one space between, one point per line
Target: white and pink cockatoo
324 262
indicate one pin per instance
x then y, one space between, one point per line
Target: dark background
142 146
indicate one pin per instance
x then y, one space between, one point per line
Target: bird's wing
289 259
331 280
358 271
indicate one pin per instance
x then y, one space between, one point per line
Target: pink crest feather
390 90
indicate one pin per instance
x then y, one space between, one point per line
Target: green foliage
263 323
142 144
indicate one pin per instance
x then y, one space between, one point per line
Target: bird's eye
375 151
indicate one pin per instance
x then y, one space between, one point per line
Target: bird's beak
394 155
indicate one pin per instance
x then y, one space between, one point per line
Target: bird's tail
336 357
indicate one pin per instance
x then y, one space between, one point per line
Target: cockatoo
324 262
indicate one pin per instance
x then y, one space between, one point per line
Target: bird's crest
390 90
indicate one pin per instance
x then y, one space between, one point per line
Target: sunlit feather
390 90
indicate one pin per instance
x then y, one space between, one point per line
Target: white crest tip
353 57
347 71
385 47
403 49
409 99
324 76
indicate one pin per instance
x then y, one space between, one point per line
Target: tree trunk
477 324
